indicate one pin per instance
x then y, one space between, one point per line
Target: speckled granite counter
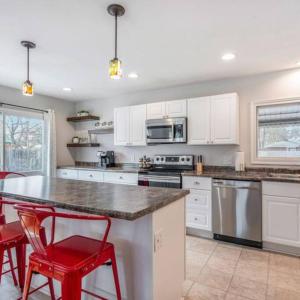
278 175
114 200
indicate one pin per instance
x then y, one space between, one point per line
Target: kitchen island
148 224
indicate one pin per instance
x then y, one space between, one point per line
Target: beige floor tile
201 292
247 288
191 241
284 280
221 264
255 257
204 246
214 278
227 252
186 287
196 258
193 271
275 293
285 263
234 297
254 272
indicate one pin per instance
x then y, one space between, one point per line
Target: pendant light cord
116 34
27 63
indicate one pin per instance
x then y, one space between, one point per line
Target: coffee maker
106 159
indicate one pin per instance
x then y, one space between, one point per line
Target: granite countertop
254 175
114 200
95 168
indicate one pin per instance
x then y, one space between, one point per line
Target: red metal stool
11 236
68 260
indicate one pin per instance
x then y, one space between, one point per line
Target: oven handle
159 179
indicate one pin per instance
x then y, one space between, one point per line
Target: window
277 132
23 141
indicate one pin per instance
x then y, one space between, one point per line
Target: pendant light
115 71
28 85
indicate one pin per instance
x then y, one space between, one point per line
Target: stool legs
50 282
21 261
27 283
116 277
10 261
71 287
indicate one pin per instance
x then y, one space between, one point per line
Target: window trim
268 160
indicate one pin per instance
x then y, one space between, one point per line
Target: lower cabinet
98 176
198 203
281 213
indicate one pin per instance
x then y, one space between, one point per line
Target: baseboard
199 232
281 248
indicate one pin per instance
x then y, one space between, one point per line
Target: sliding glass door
23 141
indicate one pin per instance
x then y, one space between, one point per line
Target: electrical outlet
158 240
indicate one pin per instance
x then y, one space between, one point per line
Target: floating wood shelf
83 118
83 145
101 131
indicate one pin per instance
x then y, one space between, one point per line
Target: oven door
160 181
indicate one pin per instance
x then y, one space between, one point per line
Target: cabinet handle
196 219
91 175
196 182
196 199
65 173
121 177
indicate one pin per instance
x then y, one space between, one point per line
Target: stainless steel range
166 171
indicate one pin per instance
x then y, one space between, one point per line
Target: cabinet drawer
199 200
90 175
284 189
194 182
67 173
116 177
200 221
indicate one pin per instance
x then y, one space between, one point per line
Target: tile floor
217 271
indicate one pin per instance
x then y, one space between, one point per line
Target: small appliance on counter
166 171
106 159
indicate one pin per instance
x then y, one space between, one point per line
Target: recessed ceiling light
228 56
67 89
298 63
133 75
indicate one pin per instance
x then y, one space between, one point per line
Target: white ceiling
168 42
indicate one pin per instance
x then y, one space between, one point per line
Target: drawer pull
65 173
196 219
196 182
121 177
91 175
196 199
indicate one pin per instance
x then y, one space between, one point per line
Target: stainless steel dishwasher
237 212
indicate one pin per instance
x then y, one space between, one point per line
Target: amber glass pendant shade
115 71
28 88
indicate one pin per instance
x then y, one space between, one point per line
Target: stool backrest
32 217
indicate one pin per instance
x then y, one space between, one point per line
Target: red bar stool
11 236
70 259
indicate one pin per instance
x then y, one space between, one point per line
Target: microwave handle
173 131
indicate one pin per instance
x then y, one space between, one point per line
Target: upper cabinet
130 125
213 120
168 109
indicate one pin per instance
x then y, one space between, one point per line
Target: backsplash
222 155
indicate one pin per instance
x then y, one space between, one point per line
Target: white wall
63 109
269 86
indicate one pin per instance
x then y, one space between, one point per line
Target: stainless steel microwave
166 131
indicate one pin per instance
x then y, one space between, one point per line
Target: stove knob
157 158
162 159
188 159
182 159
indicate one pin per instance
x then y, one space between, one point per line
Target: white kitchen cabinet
281 213
168 109
130 125
121 178
199 121
176 109
156 110
121 126
90 175
224 112
137 119
198 202
67 173
213 120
